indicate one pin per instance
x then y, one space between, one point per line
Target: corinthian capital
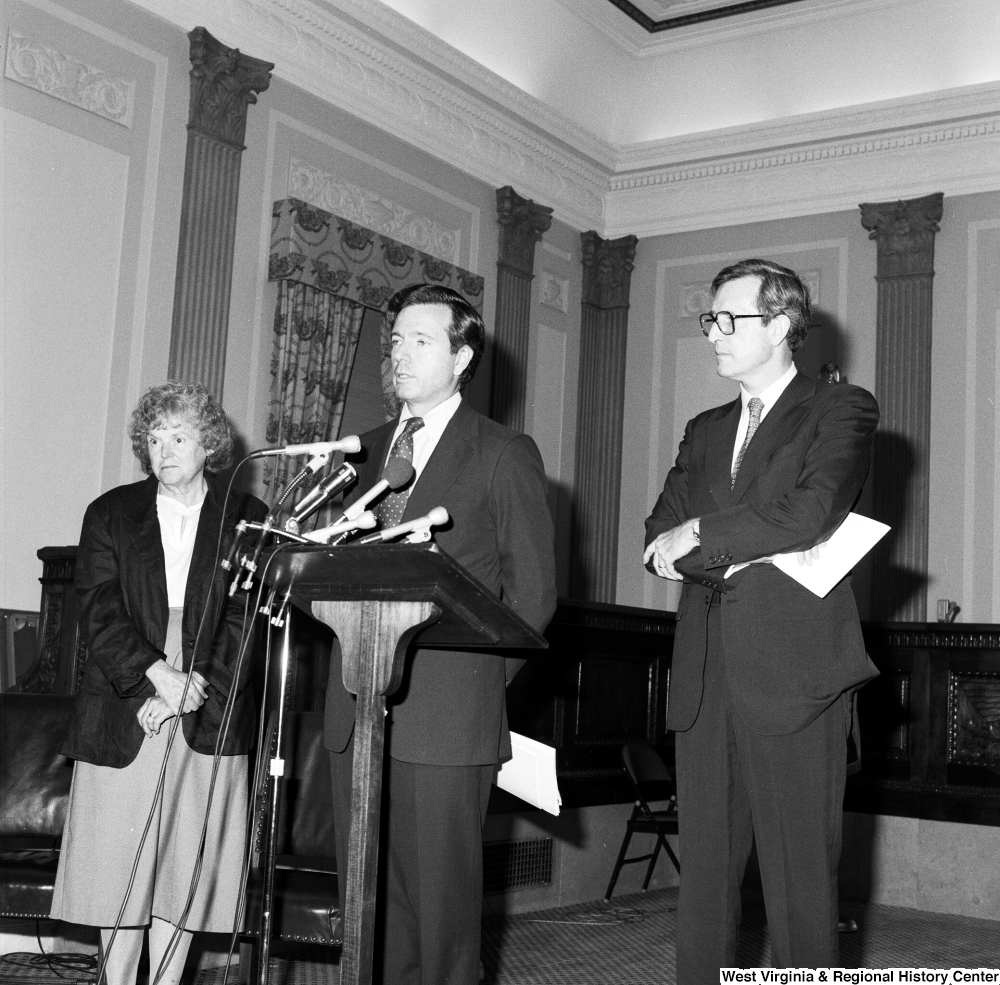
522 223
224 83
607 269
904 233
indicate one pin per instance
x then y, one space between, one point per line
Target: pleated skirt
108 811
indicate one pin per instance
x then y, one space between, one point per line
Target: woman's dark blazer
121 585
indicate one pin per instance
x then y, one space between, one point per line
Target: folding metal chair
651 780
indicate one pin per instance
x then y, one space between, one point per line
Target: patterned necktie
390 510
755 406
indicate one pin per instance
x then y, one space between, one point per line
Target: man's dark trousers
432 842
733 784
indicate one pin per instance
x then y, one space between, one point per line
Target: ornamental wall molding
45 69
372 210
471 119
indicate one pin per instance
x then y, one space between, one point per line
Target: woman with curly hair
152 604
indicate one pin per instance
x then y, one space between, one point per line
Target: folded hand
153 713
169 684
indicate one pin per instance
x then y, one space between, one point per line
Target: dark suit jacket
789 654
450 709
121 585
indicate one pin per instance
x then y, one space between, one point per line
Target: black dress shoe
848 926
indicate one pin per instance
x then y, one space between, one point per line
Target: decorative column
223 83
522 223
607 276
904 235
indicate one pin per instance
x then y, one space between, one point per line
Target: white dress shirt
769 398
178 528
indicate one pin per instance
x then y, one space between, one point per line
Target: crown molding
956 156
371 62
411 37
875 120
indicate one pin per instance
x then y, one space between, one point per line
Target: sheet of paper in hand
849 543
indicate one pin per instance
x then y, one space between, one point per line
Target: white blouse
178 528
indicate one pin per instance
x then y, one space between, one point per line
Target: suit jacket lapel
719 454
447 461
205 541
781 419
143 527
370 470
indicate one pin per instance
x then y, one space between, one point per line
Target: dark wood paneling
930 722
607 686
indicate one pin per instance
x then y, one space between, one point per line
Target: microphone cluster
396 475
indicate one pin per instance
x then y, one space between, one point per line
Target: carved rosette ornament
607 281
522 223
224 82
904 235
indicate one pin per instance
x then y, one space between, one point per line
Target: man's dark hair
466 326
781 292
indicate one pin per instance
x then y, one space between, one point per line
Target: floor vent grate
515 864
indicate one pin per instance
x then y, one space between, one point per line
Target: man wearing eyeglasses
764 672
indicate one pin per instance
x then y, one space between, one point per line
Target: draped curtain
315 338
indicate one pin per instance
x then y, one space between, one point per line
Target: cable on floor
616 915
82 967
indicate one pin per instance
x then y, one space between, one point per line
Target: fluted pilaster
522 224
607 276
904 235
224 83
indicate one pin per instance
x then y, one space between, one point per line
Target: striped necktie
390 510
754 406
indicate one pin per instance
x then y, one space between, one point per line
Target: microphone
241 529
396 474
320 493
364 522
250 564
348 445
421 527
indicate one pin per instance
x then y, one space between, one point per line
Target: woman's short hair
173 403
466 323
781 293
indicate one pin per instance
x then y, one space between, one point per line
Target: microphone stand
276 764
276 773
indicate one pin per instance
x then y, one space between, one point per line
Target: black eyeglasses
726 321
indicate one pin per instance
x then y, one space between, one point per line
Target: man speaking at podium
446 726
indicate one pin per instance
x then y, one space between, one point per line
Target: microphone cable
254 805
216 762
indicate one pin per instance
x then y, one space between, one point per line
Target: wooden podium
379 600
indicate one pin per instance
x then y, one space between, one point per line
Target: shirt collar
770 396
442 413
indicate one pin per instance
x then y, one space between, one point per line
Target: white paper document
531 774
848 544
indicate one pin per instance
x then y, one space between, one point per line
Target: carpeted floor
627 942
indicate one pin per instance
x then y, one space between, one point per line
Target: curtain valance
332 254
